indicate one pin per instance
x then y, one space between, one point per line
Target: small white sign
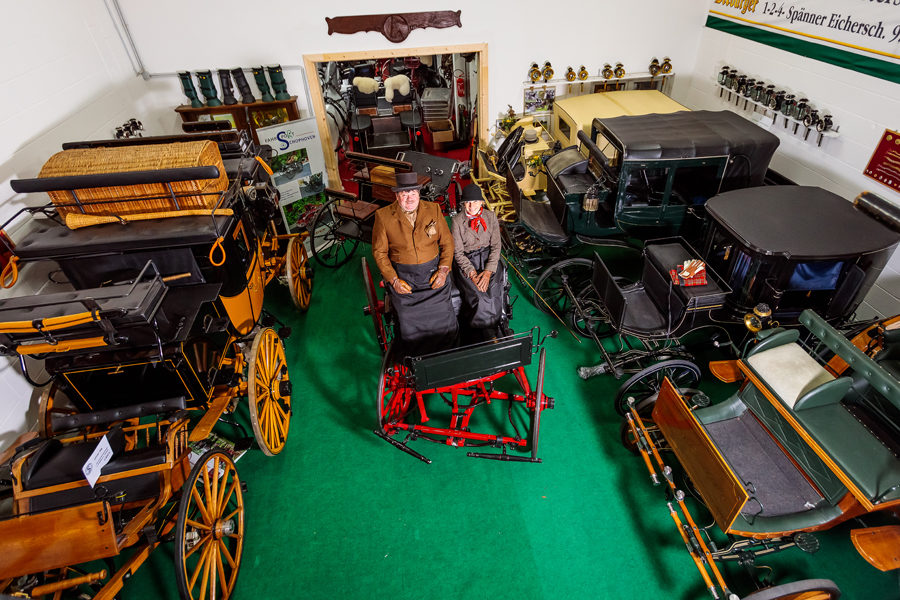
98 459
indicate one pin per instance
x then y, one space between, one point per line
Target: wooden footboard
717 483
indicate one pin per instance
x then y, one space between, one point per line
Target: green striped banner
881 69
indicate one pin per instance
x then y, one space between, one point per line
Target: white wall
862 106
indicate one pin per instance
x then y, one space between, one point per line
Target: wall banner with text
860 35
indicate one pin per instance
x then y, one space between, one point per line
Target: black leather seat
540 218
631 310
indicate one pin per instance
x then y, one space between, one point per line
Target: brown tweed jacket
395 240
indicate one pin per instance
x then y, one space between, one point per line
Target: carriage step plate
401 446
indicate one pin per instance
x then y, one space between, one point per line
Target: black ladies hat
407 181
472 193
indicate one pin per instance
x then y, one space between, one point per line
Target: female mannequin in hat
476 237
413 249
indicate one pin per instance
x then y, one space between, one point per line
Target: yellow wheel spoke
198 501
201 564
226 496
207 493
209 576
233 513
220 507
227 554
214 493
221 570
200 544
197 525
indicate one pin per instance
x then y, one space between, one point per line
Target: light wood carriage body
161 308
809 441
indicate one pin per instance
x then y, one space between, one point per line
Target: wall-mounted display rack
796 114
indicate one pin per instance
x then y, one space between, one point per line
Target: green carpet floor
342 514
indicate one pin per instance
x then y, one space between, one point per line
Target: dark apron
481 310
426 318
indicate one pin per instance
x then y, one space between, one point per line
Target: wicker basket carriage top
145 198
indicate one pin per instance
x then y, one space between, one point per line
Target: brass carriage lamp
547 71
570 74
534 72
759 318
607 71
654 67
666 67
582 73
619 71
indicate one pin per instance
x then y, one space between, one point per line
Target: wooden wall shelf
246 116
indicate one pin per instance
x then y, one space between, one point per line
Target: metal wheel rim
340 249
270 411
646 383
210 529
549 285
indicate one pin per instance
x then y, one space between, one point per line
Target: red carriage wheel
299 273
374 308
209 530
394 396
269 392
538 406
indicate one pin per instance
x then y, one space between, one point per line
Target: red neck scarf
476 220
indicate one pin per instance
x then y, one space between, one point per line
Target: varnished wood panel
713 478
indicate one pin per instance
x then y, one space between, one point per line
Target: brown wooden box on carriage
155 197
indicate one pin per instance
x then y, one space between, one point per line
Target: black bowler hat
472 193
407 181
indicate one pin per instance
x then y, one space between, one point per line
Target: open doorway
414 100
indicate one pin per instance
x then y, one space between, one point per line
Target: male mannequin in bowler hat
413 249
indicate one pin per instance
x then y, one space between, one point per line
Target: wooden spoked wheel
209 530
299 274
538 405
374 308
53 401
394 396
269 392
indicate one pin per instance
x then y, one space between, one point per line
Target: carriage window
609 150
564 130
693 185
645 187
819 275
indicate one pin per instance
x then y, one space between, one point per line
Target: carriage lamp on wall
547 71
607 71
757 94
534 72
582 73
619 71
666 67
654 68
570 74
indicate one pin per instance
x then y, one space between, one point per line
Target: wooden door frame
318 104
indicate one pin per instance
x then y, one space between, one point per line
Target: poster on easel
298 167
